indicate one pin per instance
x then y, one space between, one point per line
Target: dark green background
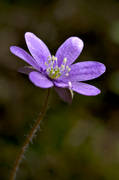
78 141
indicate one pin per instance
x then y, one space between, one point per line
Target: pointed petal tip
12 48
27 34
80 43
97 92
103 68
77 43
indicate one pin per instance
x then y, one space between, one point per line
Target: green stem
29 138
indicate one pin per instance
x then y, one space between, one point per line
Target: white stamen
54 71
70 84
67 67
49 61
48 70
46 63
67 74
55 58
65 60
62 67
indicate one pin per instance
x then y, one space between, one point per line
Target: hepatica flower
46 70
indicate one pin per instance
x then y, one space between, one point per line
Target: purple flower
46 71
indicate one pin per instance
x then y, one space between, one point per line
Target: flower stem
29 138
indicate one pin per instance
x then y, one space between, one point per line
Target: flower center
54 71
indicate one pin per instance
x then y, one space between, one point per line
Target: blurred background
77 141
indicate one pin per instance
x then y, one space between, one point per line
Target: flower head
46 70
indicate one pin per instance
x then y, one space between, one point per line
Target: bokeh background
78 141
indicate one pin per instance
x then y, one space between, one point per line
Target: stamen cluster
53 70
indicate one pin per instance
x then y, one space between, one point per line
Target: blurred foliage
114 82
114 32
80 141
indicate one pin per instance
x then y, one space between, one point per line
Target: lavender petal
21 53
84 71
85 89
61 84
38 49
70 49
40 80
26 69
65 94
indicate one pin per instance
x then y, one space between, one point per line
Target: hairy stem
29 138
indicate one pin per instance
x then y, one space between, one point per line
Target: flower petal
85 89
40 80
61 84
38 49
21 53
65 94
84 71
70 49
26 69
